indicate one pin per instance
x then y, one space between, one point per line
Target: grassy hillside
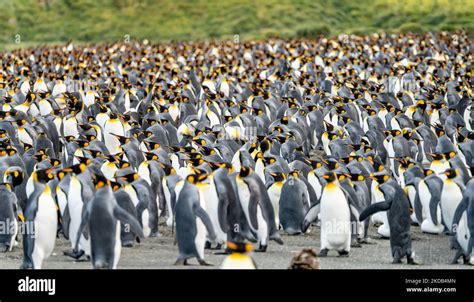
109 20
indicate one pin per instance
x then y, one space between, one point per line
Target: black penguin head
43 176
427 172
39 157
295 173
357 177
315 164
131 177
169 170
278 176
151 156
437 156
265 145
76 169
54 162
115 185
15 176
123 164
100 181
449 155
83 160
330 176
122 139
451 173
239 247
380 178
438 130
192 178
245 171
378 167
331 164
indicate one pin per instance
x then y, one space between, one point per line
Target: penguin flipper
310 216
434 201
253 207
84 223
201 213
374 208
65 220
126 218
418 208
458 213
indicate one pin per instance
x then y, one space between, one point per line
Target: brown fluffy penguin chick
306 259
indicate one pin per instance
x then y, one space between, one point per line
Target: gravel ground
432 251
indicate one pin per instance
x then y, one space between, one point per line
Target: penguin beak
67 170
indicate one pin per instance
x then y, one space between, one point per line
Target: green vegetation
111 20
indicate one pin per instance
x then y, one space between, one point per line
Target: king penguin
192 221
101 222
41 217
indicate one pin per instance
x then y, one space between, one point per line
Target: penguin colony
236 143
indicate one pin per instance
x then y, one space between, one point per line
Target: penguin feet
180 261
366 241
343 253
457 256
204 263
74 254
355 243
411 260
127 244
323 253
207 245
465 260
155 234
26 265
261 249
276 237
397 261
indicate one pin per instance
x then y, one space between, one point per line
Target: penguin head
151 156
122 139
100 181
295 173
449 155
54 162
129 178
245 171
427 172
315 164
357 177
14 176
437 156
330 176
76 169
331 164
239 247
115 185
451 173
169 170
81 142
380 178
195 161
43 175
192 178
39 157
83 160
438 130
278 176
